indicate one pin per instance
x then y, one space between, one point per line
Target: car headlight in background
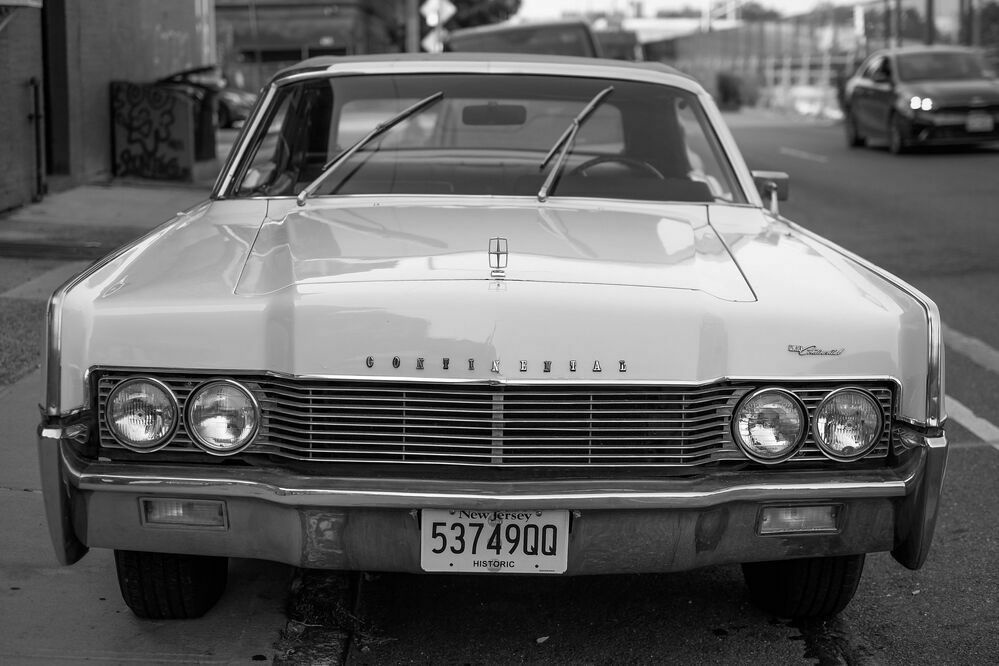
142 414
917 103
847 424
222 417
770 425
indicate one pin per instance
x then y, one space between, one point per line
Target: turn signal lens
222 416
142 414
187 513
769 425
798 519
847 424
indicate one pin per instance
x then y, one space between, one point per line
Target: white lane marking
977 425
972 348
802 155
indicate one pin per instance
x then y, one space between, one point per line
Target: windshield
486 136
936 66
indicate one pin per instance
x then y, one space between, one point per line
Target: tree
752 12
686 12
471 13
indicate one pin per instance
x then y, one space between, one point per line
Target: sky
554 8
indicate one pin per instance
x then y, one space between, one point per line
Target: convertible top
325 62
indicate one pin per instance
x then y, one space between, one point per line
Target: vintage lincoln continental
491 314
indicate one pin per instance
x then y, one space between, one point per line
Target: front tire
896 138
853 138
164 586
808 588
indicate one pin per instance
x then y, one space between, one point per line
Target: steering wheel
638 166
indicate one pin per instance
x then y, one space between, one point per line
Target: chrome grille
488 425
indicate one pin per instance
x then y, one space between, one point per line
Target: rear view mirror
773 186
494 114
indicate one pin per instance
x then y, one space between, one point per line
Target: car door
864 94
881 97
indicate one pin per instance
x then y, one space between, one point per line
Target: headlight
917 103
222 417
769 425
142 414
847 424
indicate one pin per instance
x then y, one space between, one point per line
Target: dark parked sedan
922 95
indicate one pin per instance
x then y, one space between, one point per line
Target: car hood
407 241
403 290
956 93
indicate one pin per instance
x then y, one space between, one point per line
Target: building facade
59 58
258 38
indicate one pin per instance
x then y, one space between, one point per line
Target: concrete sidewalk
88 222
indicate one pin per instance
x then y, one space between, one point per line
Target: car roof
323 63
924 48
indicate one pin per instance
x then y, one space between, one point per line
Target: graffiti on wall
153 132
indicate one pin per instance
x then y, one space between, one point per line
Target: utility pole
412 26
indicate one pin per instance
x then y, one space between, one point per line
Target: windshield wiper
566 141
379 129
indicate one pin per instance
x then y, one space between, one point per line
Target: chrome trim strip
493 380
250 128
935 415
293 490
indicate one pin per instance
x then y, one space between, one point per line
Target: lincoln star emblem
497 256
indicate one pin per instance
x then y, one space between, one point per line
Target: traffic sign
434 41
437 12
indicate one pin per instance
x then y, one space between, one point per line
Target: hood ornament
498 254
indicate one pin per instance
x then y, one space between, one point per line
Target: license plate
979 122
494 541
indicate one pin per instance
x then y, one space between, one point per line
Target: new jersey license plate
494 541
979 122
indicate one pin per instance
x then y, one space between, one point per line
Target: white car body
399 289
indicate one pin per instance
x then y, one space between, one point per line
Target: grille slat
488 425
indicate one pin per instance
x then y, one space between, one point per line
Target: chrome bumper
669 524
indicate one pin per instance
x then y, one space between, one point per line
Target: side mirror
773 186
880 77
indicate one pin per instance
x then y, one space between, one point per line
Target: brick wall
20 60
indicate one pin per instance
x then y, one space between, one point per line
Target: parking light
798 519
182 512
